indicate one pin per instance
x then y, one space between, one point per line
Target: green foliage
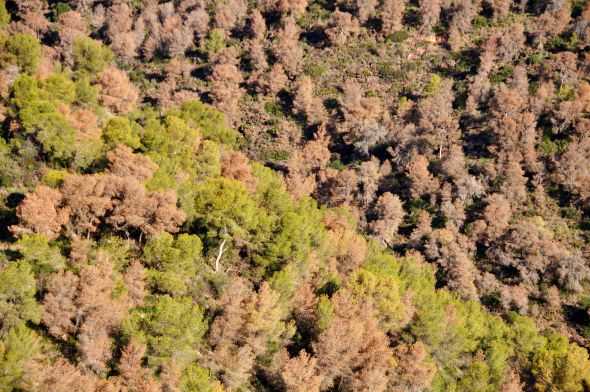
296 227
171 327
444 335
337 164
453 329
172 145
54 178
325 312
276 155
537 58
181 173
381 263
21 160
183 158
119 130
385 292
398 36
60 87
317 11
433 85
561 366
584 302
480 22
225 208
417 277
87 152
208 160
316 70
277 244
40 117
16 350
90 56
171 139
274 228
566 93
388 71
4 15
566 41
50 127
477 378
174 262
26 51
274 109
10 171
39 254
17 296
502 75
296 232
496 346
214 42
284 281
86 94
465 62
211 122
61 8
117 249
550 147
196 379
25 90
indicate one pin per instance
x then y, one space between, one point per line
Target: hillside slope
294 195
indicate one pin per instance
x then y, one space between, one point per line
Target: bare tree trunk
219 254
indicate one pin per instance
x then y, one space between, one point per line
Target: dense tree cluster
305 195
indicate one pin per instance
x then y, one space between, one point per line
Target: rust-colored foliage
300 374
134 377
342 26
41 212
287 48
305 164
83 306
117 92
453 133
389 214
124 163
118 199
361 361
414 370
249 323
421 180
226 79
235 164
